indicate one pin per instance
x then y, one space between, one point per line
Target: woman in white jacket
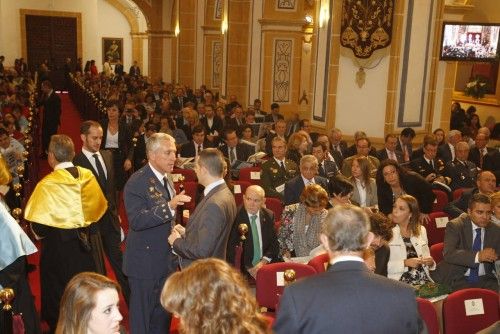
410 259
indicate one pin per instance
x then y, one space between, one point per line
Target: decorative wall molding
282 69
216 64
286 5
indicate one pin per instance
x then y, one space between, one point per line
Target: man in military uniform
461 171
363 149
430 167
276 171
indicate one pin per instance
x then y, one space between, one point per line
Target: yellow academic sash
59 200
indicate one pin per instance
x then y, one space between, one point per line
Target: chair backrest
239 190
191 189
437 252
470 310
457 193
250 174
189 174
319 263
436 227
275 206
440 201
270 283
428 314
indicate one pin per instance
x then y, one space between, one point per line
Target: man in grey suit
100 162
207 231
471 247
308 175
348 297
151 203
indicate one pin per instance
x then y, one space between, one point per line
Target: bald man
261 244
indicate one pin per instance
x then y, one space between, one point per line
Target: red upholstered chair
191 188
319 263
246 175
437 252
440 201
455 318
429 315
240 186
436 227
458 193
267 290
275 206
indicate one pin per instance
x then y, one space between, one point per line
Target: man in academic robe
63 209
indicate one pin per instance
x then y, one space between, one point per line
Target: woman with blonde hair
297 147
209 297
89 305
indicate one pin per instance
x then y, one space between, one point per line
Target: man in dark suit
404 144
485 184
119 68
447 151
275 115
485 158
207 231
341 300
134 70
353 149
100 163
471 247
308 175
213 125
389 151
326 168
179 100
461 171
278 170
51 114
234 150
261 244
199 143
337 144
151 203
278 131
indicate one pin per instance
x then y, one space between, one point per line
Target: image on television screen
469 41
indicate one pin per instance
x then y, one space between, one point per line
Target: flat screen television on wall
469 41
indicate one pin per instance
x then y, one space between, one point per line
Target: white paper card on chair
280 188
474 306
441 222
280 278
254 175
175 177
435 201
237 189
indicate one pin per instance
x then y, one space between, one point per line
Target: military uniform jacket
462 174
273 178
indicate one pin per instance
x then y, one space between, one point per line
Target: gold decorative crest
366 25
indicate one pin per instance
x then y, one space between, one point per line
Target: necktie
165 184
100 170
255 237
476 247
282 167
432 163
481 159
322 169
199 149
232 155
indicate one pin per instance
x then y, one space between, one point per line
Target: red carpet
70 125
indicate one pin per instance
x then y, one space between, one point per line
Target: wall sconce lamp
324 13
223 26
177 29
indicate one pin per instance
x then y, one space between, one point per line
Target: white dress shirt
90 157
